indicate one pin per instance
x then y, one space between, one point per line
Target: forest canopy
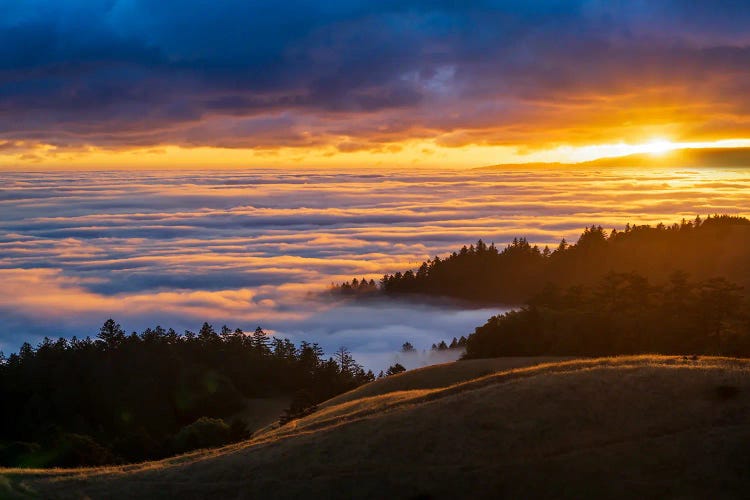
485 274
622 314
132 397
668 289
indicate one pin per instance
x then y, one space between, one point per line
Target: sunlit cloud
251 248
134 85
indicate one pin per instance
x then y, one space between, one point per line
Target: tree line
485 274
623 313
132 397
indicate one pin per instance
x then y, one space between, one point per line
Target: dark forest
622 314
126 398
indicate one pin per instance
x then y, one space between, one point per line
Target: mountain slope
620 427
683 157
687 157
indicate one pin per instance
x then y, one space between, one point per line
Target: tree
395 369
207 333
111 333
407 347
310 356
345 360
303 404
483 276
203 433
719 299
260 341
127 398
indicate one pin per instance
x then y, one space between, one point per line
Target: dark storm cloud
249 73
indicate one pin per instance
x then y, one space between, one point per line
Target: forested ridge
485 274
622 314
132 397
667 289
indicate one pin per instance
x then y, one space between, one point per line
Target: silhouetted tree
395 369
345 360
704 247
407 347
622 314
143 396
111 333
260 341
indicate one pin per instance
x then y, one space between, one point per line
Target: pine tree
111 333
260 341
407 347
345 360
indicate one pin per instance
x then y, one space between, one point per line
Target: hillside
684 157
688 157
437 376
621 427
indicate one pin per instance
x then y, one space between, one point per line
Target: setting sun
659 146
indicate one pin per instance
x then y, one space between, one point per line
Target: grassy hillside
621 427
436 376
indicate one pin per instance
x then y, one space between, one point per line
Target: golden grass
624 426
442 375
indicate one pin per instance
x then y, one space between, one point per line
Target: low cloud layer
255 248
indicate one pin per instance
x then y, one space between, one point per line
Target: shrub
73 450
203 433
303 404
17 453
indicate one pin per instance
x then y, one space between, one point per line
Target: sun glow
408 153
659 146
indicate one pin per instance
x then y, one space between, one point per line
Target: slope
620 427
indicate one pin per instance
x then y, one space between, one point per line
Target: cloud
254 248
373 331
123 74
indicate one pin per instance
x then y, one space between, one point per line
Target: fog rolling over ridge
253 247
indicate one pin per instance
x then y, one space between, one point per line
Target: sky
135 84
259 248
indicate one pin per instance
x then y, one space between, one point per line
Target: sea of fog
249 248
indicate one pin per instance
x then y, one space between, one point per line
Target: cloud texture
355 76
255 247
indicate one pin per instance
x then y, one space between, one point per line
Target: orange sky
412 153
369 84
